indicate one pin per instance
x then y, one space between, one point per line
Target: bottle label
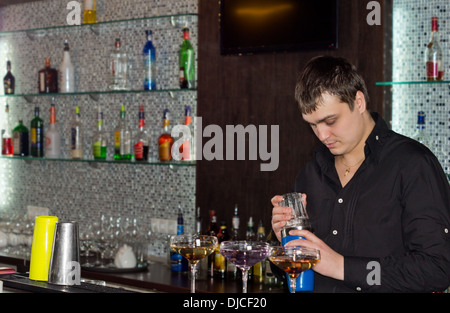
97 148
432 70
117 142
164 151
7 146
139 150
16 143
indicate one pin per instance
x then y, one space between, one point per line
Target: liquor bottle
198 222
7 146
177 262
118 67
37 135
433 54
165 141
232 270
141 147
66 71
213 230
187 148
76 136
420 135
100 139
9 81
149 55
20 140
122 138
220 262
259 268
250 235
90 12
187 62
48 79
52 137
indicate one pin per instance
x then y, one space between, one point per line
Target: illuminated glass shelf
413 83
92 161
93 94
176 20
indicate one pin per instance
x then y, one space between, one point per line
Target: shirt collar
374 144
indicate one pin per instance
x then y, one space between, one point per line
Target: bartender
378 202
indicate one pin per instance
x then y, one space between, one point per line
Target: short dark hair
333 75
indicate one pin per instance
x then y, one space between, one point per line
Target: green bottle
187 62
20 140
37 135
100 140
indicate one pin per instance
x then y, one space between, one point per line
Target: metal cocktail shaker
300 220
65 266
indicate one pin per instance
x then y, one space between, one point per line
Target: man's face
336 126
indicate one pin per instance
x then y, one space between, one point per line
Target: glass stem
293 284
193 272
244 280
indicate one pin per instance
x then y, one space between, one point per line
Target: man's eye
330 122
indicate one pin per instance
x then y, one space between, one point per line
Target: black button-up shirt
391 222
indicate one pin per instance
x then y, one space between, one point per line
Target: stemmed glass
244 254
294 260
193 248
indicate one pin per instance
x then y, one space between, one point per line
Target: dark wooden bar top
158 277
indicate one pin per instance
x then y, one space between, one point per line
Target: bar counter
157 277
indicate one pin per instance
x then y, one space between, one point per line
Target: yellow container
41 248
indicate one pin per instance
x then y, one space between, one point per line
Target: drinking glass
294 260
193 248
244 254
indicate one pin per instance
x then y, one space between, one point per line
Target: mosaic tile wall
411 33
84 191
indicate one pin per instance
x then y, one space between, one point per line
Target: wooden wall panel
259 90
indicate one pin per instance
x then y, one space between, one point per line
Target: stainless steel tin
65 266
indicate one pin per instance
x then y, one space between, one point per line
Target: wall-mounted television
256 26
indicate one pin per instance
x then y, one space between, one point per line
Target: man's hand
331 263
280 215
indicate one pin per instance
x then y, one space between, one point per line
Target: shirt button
376 137
340 200
335 232
446 230
358 288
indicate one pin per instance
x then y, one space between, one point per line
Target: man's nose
322 133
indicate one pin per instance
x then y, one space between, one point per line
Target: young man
379 202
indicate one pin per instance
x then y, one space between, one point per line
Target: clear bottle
187 62
259 268
141 147
165 141
37 135
90 12
9 82
7 146
122 138
20 140
420 135
66 71
76 136
250 235
52 137
235 224
433 54
118 67
100 138
149 55
48 79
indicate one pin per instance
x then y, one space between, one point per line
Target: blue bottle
300 220
177 262
149 55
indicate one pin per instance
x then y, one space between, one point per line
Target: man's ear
360 102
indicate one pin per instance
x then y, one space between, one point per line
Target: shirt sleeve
425 267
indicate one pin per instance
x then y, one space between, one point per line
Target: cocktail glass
244 254
193 248
294 260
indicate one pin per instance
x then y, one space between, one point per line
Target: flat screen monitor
255 26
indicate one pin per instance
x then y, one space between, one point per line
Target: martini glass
294 260
193 248
244 254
